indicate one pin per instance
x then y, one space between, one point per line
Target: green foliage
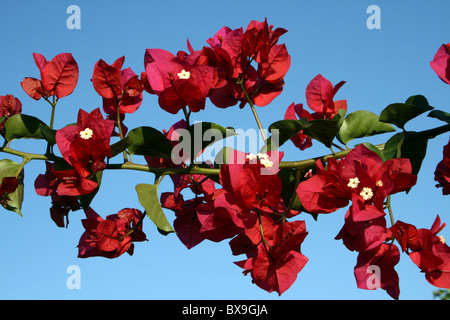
325 130
23 126
400 113
148 141
361 124
148 198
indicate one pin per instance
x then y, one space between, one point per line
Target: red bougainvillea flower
277 260
62 183
177 81
360 177
441 63
110 237
253 179
187 224
7 186
63 187
426 249
119 88
232 52
9 105
442 172
319 97
295 112
361 236
375 269
85 145
59 77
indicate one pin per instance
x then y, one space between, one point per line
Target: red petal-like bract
107 80
9 106
319 97
110 237
60 75
441 63
79 152
375 269
33 88
295 112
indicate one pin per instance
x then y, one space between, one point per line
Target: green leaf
204 134
325 130
48 134
441 115
361 124
414 147
120 146
374 149
23 126
286 130
392 148
149 141
400 113
288 178
9 168
148 198
410 145
223 155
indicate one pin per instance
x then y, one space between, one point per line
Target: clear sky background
328 37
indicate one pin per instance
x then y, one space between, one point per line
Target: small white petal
353 182
184 74
86 134
366 193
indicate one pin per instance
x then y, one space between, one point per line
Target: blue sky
328 37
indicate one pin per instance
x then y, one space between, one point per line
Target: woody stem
119 125
249 100
388 206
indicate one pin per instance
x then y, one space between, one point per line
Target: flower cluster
59 77
243 200
363 179
320 94
222 71
9 106
110 237
247 209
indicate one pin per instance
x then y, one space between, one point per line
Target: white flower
353 183
266 163
184 74
441 239
262 156
366 193
86 134
250 156
379 183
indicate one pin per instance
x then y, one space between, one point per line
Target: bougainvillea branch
252 199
